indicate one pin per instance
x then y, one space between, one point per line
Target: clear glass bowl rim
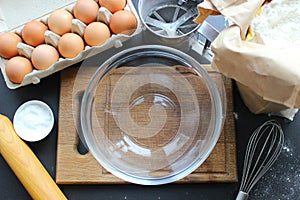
219 112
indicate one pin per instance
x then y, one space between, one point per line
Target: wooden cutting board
75 168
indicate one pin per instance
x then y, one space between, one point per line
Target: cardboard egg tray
51 38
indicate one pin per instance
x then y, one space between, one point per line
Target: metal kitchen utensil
173 22
210 33
169 18
263 149
26 165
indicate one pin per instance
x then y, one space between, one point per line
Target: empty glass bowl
152 114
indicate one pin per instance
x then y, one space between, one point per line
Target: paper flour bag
266 65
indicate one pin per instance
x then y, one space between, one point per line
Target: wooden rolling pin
26 165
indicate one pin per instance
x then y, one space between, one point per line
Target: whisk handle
242 196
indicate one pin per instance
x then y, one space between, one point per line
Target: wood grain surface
25 164
75 168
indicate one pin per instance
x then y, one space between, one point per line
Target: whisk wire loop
260 166
263 149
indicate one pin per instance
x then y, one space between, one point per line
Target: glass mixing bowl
151 114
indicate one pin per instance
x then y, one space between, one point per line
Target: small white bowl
33 120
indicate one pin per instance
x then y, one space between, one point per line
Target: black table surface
282 181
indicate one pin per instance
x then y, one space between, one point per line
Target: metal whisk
263 149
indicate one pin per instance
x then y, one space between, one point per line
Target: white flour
33 120
279 22
282 181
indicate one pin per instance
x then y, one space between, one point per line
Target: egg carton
51 38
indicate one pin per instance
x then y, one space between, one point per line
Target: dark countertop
282 181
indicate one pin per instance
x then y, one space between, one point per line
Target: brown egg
86 11
60 21
8 44
96 33
70 45
33 33
43 56
123 22
113 5
17 67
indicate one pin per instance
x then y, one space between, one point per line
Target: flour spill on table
281 182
